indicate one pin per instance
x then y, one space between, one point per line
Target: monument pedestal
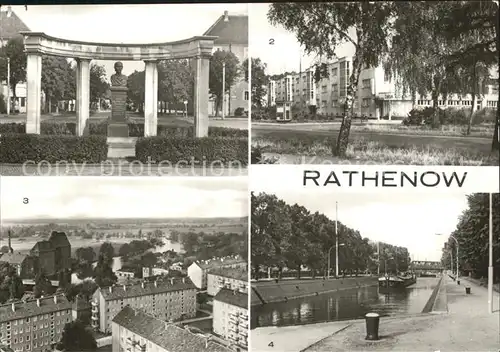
120 145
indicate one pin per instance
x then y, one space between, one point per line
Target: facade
169 299
124 275
18 261
10 27
34 325
230 319
148 271
229 278
197 271
232 33
135 330
378 95
54 254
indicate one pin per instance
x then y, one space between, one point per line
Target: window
366 102
387 76
366 84
334 72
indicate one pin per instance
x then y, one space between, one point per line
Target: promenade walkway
467 326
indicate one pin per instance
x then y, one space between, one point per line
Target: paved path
394 140
292 338
468 326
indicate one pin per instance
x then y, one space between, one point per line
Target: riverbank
284 290
468 326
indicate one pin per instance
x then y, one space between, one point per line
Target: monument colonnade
199 49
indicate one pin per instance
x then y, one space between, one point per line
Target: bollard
458 282
372 322
467 290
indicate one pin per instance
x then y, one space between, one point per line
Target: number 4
271 344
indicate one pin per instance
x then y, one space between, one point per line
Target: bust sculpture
117 79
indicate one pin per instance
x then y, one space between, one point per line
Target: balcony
95 310
95 317
94 303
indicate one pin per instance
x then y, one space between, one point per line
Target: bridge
423 265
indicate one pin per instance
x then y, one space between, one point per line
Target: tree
259 80
107 251
85 255
136 90
58 80
11 285
175 81
14 50
124 250
215 80
43 286
103 273
99 87
5 249
84 289
77 337
321 27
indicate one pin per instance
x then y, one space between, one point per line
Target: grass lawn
401 150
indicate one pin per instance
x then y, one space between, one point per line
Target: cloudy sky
125 23
408 220
122 197
285 54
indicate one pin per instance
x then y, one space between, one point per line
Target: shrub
12 128
192 150
239 111
19 148
487 115
257 157
3 105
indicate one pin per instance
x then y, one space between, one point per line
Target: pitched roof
58 239
168 336
13 258
219 262
11 26
240 273
136 290
30 308
233 31
232 297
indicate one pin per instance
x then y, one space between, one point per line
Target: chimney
110 289
124 288
171 281
38 302
55 299
11 250
13 307
226 16
142 284
183 280
156 283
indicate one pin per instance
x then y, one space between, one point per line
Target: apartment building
298 88
230 316
229 278
133 330
232 35
197 271
169 299
34 325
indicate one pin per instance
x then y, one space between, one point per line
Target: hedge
135 129
188 150
19 148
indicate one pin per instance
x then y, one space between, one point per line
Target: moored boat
396 281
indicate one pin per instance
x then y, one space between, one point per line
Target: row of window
33 319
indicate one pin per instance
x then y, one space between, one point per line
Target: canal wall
432 299
284 290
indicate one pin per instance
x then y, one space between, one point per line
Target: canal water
344 305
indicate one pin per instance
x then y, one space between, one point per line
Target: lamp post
329 254
9 13
223 89
336 240
456 241
490 264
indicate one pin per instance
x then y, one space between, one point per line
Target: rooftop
29 308
146 288
11 25
220 262
240 273
232 297
234 30
170 337
13 258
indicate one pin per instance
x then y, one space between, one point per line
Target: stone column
151 99
82 94
34 87
201 64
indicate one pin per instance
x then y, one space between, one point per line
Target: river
344 305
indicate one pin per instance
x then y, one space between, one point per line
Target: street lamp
223 89
456 241
336 246
9 13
